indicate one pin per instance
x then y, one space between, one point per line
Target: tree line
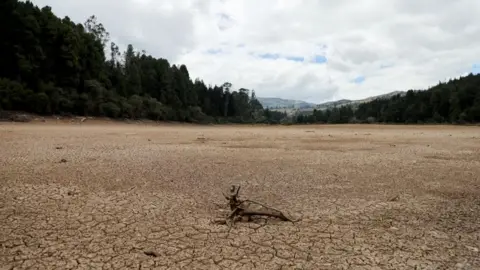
55 66
455 101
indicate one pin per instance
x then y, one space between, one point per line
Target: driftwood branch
245 208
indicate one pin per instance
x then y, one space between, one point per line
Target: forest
456 101
54 66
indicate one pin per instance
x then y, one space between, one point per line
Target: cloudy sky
310 50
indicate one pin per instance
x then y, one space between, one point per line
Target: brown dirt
131 196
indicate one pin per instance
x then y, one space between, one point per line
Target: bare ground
130 196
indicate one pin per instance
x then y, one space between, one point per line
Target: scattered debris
394 199
72 193
248 208
151 253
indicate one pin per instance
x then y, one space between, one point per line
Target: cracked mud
143 197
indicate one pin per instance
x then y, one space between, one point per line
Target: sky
308 50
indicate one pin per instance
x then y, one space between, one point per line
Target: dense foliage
54 66
456 101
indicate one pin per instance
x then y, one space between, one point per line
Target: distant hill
330 104
277 103
292 107
343 102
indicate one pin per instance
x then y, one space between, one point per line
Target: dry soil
101 195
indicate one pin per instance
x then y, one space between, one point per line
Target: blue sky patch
359 80
475 69
272 56
319 59
295 58
276 56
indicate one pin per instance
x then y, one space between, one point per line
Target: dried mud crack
146 200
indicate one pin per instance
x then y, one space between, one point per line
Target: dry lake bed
105 195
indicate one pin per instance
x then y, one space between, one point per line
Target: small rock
63 160
58 147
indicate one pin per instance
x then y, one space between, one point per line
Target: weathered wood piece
246 208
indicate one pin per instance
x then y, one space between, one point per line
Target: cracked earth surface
143 197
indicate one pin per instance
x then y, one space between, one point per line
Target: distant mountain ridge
277 103
343 102
280 103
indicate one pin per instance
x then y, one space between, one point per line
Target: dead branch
278 215
243 208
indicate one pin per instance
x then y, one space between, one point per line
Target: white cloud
395 45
